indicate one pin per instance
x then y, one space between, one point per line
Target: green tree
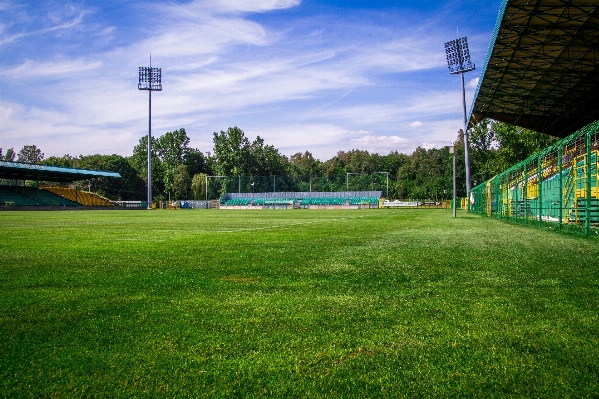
496 146
9 156
139 161
198 186
66 161
129 187
196 162
333 175
171 148
304 164
483 153
234 155
30 154
304 170
231 152
181 182
265 160
515 144
392 163
460 165
356 161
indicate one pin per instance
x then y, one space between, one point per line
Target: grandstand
302 200
16 194
542 73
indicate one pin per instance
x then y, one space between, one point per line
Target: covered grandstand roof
27 171
541 70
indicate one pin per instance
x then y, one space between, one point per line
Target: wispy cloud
30 69
59 25
239 6
383 144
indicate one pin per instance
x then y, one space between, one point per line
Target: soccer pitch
294 303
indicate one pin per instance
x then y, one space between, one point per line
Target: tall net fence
557 187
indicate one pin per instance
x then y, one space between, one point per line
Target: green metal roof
541 70
27 171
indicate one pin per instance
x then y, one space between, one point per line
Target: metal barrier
557 187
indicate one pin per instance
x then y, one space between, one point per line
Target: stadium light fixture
458 61
150 79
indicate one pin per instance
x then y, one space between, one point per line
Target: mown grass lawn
367 303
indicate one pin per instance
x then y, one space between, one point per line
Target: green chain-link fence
557 187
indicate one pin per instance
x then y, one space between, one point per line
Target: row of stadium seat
238 202
31 196
275 201
364 200
324 201
259 201
81 197
305 201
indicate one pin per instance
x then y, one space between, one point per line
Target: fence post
560 214
525 192
504 197
540 189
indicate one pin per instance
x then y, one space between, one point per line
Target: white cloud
415 124
31 69
55 134
322 140
363 114
199 8
473 83
251 5
382 144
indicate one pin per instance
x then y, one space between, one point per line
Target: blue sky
306 75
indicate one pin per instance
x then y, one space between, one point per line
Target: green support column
497 197
525 193
540 189
587 223
561 188
505 198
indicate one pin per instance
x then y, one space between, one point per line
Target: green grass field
366 303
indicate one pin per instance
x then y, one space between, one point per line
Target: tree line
180 171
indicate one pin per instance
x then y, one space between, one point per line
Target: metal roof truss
542 69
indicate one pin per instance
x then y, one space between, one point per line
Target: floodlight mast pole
150 147
458 61
466 140
150 79
452 152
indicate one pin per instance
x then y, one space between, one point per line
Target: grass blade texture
294 303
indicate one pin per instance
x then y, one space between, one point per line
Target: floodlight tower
458 61
150 79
